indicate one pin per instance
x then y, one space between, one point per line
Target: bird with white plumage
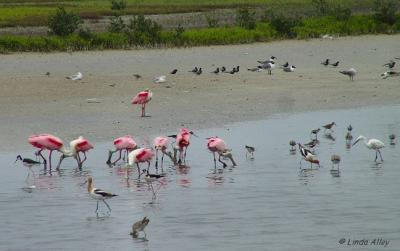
373 144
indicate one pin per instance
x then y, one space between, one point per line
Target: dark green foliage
341 13
86 34
385 11
284 24
246 19
321 7
116 24
212 21
64 23
118 5
143 31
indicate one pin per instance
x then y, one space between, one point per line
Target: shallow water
262 204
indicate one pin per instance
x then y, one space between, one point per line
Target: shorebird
349 128
312 143
308 156
348 136
292 143
46 142
291 68
140 155
315 132
160 144
75 147
258 68
329 126
285 65
160 79
217 145
27 162
99 195
237 68
391 64
142 98
326 62
335 160
194 69
388 74
392 137
150 178
48 74
373 144
139 227
216 71
268 66
250 150
350 72
174 71
77 76
200 71
270 60
336 64
122 143
137 76
223 69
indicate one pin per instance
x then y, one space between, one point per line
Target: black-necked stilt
250 150
335 160
27 162
315 132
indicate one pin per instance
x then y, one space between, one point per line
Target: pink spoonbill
122 143
182 143
373 144
142 98
46 142
160 144
217 145
140 155
76 146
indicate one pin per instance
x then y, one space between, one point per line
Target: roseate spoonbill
160 144
122 143
139 226
392 137
182 143
217 145
250 150
308 156
350 72
75 147
373 144
138 156
335 160
325 62
142 98
45 142
292 144
315 132
98 195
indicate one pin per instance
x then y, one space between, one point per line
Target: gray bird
139 226
350 72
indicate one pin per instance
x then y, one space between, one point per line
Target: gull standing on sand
98 195
269 66
77 76
350 72
142 98
373 144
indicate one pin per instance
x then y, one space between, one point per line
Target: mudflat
98 107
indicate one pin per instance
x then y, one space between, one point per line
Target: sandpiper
139 226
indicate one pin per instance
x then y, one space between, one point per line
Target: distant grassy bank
36 12
264 31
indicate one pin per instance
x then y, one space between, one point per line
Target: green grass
36 12
309 28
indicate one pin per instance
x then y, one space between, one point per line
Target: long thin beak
193 134
355 142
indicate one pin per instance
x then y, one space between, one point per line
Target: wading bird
373 144
335 160
160 144
98 195
308 156
28 163
329 127
77 76
250 150
142 98
217 145
46 142
292 144
315 132
139 227
336 64
139 156
182 143
174 71
75 147
122 143
392 137
350 72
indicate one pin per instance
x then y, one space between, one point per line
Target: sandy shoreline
31 102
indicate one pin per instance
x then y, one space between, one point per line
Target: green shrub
385 11
246 19
212 21
116 24
284 24
118 5
321 7
64 23
143 30
341 13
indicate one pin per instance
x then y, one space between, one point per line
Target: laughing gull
326 62
258 69
216 71
291 68
350 72
387 74
160 79
335 64
223 69
268 66
270 60
137 76
285 65
391 64
199 71
194 70
174 71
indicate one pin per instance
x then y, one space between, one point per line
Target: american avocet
250 150
217 145
373 144
139 227
99 195
308 156
350 72
122 143
142 98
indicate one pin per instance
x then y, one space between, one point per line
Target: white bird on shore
373 144
270 60
268 66
291 68
350 72
160 79
77 76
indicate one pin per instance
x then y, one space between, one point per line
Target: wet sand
31 102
